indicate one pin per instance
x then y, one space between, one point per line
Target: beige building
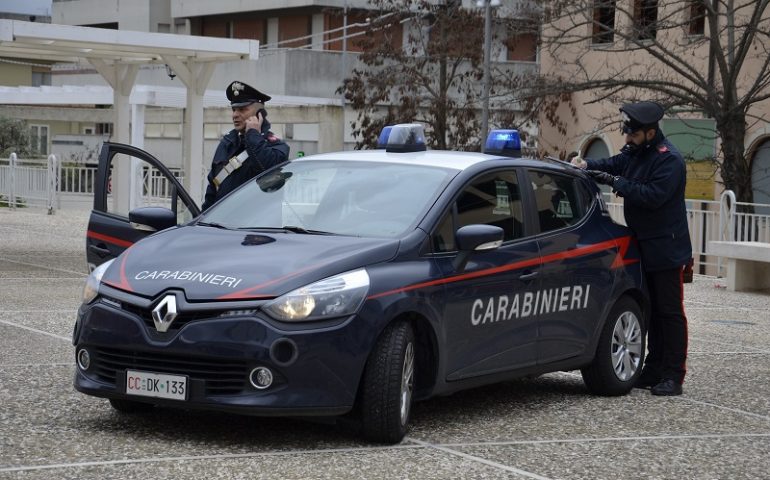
604 40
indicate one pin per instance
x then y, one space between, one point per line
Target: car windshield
367 199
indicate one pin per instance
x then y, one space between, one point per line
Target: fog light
84 359
261 378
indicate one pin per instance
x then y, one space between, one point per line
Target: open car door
123 168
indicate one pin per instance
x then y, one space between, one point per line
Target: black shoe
647 380
667 388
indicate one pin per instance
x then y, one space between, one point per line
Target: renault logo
164 313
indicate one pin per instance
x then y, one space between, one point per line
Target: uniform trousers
667 334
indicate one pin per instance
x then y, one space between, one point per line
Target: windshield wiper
290 228
213 224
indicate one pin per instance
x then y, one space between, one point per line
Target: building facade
626 40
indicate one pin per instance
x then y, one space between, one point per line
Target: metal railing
725 219
28 183
25 183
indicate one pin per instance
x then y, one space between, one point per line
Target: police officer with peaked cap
249 149
649 173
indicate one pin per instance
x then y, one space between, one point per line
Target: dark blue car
354 283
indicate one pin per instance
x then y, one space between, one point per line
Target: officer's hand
579 162
254 122
602 177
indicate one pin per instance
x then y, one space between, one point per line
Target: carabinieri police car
353 283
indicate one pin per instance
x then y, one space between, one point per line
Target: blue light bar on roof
382 142
402 138
503 142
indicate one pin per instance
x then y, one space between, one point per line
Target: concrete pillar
330 129
137 140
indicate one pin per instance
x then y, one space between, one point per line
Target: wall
13 75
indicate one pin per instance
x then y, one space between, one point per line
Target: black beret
241 94
640 115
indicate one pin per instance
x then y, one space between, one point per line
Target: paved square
548 427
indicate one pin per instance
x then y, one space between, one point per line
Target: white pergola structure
117 56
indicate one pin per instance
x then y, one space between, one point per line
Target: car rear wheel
130 406
388 385
620 352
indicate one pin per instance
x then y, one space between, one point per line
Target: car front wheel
388 385
620 352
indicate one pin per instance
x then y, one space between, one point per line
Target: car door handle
100 249
528 276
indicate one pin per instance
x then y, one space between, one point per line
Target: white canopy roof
117 56
151 95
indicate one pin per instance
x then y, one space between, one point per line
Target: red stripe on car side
113 240
620 243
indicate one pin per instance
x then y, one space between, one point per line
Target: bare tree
701 58
428 74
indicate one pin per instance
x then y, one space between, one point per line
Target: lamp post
487 4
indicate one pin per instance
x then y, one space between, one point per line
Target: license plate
156 385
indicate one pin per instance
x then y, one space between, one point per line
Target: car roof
432 158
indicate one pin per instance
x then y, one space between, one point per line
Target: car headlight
91 290
332 297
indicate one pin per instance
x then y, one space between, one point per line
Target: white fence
26 183
43 183
716 220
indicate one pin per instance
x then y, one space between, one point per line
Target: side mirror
152 219
476 238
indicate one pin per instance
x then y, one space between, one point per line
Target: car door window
492 199
559 199
150 187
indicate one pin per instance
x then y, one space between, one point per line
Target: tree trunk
735 168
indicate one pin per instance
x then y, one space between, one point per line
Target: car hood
215 264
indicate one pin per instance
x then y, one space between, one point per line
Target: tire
620 352
130 406
388 385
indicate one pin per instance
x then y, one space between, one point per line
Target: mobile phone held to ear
263 112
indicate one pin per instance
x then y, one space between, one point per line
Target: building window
522 47
295 27
697 23
604 22
41 76
38 139
645 19
104 129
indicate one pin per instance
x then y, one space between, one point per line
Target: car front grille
221 377
180 321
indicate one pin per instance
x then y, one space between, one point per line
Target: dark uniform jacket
265 150
652 182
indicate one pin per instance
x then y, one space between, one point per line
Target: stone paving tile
21 347
734 381
55 323
47 294
50 265
558 406
672 458
43 421
388 463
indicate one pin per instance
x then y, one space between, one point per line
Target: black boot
668 388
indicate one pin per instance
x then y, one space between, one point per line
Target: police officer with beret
649 173
249 149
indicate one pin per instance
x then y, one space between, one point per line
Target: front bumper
316 370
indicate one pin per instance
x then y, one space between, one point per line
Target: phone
263 112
